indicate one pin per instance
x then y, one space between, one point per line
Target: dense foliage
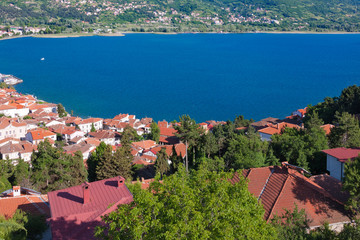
22 226
200 205
189 15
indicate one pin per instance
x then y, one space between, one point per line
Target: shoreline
122 34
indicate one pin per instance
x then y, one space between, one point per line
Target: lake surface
208 76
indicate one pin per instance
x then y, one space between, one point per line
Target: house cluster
13 31
269 126
158 14
73 213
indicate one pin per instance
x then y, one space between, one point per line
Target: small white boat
42 59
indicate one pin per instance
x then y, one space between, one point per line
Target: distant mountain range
182 15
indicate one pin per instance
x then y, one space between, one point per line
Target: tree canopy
199 205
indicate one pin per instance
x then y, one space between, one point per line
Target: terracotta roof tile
72 219
343 154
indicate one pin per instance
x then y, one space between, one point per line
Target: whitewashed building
336 159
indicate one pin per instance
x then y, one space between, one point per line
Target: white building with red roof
271 129
12 128
86 124
336 159
14 110
75 211
39 135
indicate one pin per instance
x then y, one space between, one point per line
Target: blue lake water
208 76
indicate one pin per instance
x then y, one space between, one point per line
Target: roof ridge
316 187
277 198
35 205
267 180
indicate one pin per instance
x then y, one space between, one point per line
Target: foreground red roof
280 188
71 218
343 154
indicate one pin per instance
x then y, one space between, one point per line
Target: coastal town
26 123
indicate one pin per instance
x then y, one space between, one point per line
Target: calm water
208 76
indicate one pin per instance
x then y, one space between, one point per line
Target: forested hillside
183 16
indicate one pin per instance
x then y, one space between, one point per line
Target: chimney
86 192
16 191
142 179
120 181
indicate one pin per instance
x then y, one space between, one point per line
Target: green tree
6 171
52 169
240 121
154 132
351 184
22 174
245 152
290 147
114 164
189 133
129 135
199 205
11 230
61 110
271 159
208 144
315 141
292 224
94 160
176 160
161 164
93 129
346 133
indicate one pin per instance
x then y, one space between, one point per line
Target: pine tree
155 132
93 128
189 133
346 133
352 184
94 160
114 164
162 165
61 110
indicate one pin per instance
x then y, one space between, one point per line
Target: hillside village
26 122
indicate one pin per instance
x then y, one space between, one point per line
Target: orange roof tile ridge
267 180
277 198
250 170
35 205
43 200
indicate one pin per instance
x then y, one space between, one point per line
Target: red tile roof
327 128
167 132
40 133
146 144
72 219
280 188
34 204
343 154
277 128
179 148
